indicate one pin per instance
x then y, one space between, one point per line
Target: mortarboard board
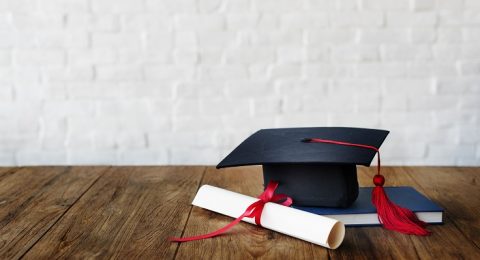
313 174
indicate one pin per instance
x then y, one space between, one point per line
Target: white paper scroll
310 227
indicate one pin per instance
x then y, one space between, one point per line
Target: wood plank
455 189
446 241
128 213
245 241
32 199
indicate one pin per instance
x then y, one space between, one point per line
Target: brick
385 5
377 69
469 4
355 53
64 109
185 39
118 73
345 4
331 70
146 22
64 6
423 5
142 157
411 87
285 71
295 90
185 57
62 40
247 123
331 36
116 40
470 68
91 57
230 72
470 52
449 5
20 6
450 18
168 72
209 6
197 89
184 124
91 22
423 35
401 19
248 88
187 156
287 55
449 35
88 157
171 6
356 19
433 102
241 6
447 52
406 52
6 93
301 120
217 39
7 159
34 22
304 20
471 35
117 6
269 37
336 118
471 17
5 58
250 55
210 22
275 6
318 53
395 149
44 58
230 107
378 36
198 139
242 21
84 73
41 157
466 85
394 103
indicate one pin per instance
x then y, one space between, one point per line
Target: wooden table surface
129 212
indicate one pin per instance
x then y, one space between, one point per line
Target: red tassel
392 216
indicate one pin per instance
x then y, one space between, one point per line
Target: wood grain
246 241
33 199
129 213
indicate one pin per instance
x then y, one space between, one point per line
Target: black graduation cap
312 174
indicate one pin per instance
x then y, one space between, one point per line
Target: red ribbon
253 211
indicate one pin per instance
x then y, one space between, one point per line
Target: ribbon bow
253 211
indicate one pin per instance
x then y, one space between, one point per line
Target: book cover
362 212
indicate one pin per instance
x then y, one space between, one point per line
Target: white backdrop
184 81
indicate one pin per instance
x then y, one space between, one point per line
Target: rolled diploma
307 226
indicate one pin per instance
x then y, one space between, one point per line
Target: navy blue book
363 213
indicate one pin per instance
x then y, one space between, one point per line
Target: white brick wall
184 81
